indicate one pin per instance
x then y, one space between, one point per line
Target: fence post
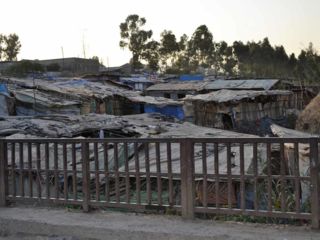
85 176
187 178
3 178
315 185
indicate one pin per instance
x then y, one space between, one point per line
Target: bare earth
59 224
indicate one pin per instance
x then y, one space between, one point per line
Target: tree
169 47
12 47
201 47
134 38
1 45
151 55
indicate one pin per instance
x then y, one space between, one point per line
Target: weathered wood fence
245 176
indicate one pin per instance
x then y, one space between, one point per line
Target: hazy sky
44 26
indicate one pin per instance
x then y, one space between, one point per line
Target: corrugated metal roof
253 84
190 86
233 95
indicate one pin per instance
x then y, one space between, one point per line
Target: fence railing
268 177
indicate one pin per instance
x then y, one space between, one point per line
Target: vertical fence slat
269 173
137 172
65 171
85 176
30 169
216 172
255 174
229 175
21 170
149 196
159 183
96 164
106 171
170 181
297 177
242 182
282 181
13 169
46 166
315 184
2 174
38 170
187 178
126 167
116 171
205 176
55 170
74 171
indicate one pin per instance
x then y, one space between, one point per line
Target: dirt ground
61 224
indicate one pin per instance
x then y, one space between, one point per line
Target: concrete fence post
187 178
315 184
3 173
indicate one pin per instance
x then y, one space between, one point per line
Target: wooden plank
269 172
216 171
242 178
205 177
116 170
96 164
315 183
137 170
297 191
3 184
126 166
74 172
13 169
85 177
187 178
65 169
106 171
55 170
38 170
30 176
47 170
282 180
170 181
158 167
255 173
21 178
229 175
147 162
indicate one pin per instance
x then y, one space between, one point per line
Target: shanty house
229 109
175 90
299 98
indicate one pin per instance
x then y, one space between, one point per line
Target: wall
173 111
211 114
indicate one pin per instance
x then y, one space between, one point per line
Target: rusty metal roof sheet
253 84
233 96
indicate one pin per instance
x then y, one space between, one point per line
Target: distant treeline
200 51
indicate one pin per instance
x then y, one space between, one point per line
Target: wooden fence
268 177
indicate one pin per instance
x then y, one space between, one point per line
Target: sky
78 28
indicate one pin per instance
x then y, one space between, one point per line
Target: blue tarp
173 111
4 89
187 77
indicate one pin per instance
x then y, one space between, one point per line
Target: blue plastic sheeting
74 82
4 89
187 77
173 111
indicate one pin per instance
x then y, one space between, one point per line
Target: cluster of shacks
79 108
138 126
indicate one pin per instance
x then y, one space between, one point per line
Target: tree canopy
174 54
9 47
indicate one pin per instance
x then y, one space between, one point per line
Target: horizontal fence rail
267 177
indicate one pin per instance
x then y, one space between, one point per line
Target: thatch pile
309 119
